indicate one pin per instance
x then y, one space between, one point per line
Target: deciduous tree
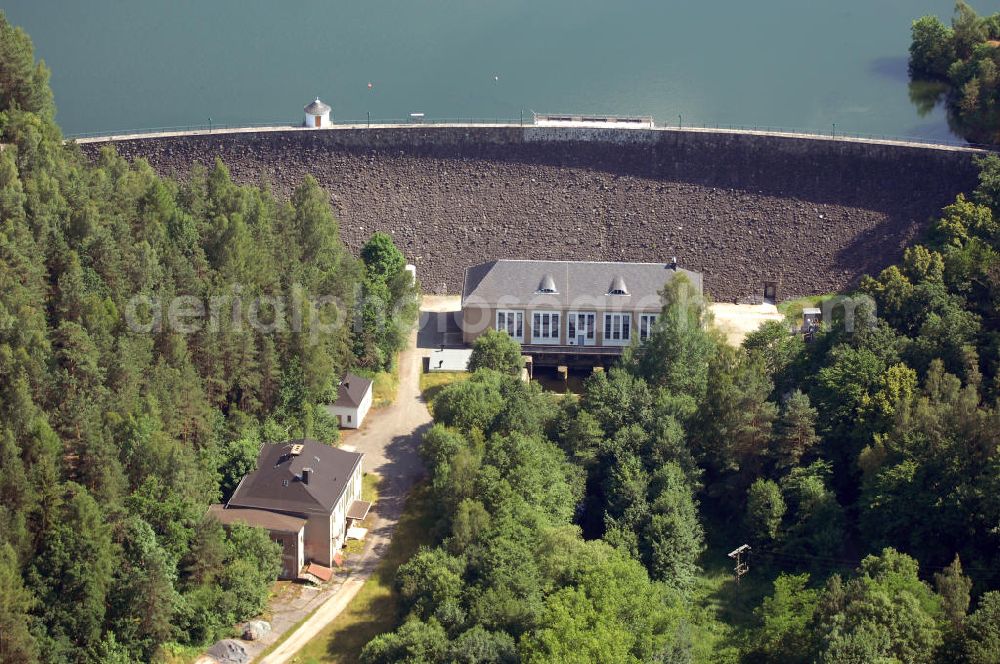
497 351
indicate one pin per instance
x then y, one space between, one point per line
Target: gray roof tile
351 391
277 483
271 520
517 282
316 108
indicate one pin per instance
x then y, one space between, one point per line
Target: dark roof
317 108
277 484
282 523
517 282
351 391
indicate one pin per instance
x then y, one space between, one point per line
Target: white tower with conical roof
317 114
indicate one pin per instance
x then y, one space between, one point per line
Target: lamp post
210 124
371 90
680 121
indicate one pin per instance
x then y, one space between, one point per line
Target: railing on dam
525 121
373 122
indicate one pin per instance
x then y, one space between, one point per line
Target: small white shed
354 399
317 114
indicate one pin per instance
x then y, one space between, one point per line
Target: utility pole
742 557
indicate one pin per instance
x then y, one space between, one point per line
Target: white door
581 328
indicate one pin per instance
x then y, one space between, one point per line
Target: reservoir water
122 64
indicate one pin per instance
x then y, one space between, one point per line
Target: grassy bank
432 383
723 610
374 609
385 386
369 492
793 308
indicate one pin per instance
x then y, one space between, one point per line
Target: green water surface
131 64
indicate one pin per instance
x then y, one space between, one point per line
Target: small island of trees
961 64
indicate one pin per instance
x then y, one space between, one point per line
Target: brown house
305 494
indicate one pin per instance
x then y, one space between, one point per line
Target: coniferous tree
16 603
765 511
795 430
72 572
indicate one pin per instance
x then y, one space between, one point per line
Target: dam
810 214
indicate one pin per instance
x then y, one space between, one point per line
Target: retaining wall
812 214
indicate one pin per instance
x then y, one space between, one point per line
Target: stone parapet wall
812 214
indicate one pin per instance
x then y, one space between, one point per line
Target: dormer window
618 286
547 285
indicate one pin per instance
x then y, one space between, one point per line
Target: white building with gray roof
317 114
567 307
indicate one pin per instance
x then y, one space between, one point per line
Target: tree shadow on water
926 95
893 67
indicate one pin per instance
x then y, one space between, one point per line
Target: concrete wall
812 214
319 547
291 552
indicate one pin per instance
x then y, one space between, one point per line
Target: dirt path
389 441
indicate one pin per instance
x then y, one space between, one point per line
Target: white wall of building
301 550
366 404
352 418
338 520
324 120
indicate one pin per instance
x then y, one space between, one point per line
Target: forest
862 467
116 435
959 64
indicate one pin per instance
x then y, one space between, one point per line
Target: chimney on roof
306 472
